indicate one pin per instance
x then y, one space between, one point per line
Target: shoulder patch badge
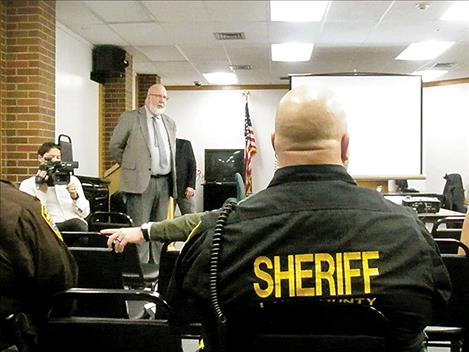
45 215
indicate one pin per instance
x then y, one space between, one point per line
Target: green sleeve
177 229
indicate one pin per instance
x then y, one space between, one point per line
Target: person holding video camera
59 191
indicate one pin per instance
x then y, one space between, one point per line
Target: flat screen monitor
221 165
384 114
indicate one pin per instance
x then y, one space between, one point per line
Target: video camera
58 172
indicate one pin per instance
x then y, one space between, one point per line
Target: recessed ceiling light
430 75
424 50
297 11
292 52
221 78
459 11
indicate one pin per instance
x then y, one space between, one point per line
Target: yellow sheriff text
315 274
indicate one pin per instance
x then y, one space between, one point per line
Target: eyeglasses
159 96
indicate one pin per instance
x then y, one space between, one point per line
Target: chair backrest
456 313
84 239
448 227
71 333
168 260
453 193
307 326
99 268
66 149
240 187
449 222
130 264
108 219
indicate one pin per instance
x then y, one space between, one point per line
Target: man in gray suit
144 144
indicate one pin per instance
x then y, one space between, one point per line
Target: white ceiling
175 39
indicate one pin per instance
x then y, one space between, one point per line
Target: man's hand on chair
118 238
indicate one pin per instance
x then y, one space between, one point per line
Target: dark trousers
151 205
74 224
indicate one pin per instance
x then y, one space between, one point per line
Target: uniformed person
314 234
34 261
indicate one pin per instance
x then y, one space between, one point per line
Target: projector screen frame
412 176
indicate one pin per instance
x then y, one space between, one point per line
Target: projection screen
384 116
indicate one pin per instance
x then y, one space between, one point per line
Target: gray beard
155 110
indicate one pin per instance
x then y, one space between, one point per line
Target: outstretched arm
177 229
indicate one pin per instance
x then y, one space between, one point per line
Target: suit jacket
186 168
130 147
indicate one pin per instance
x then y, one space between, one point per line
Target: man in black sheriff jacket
314 234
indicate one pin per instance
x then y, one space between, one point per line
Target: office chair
100 220
66 148
17 330
240 187
191 327
451 324
300 325
135 274
97 333
99 268
450 222
84 239
449 227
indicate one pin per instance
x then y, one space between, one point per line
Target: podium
215 193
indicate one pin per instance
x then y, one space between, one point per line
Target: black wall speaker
108 61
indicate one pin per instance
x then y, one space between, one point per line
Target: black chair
17 330
192 326
240 187
135 274
99 268
305 325
66 147
450 222
100 220
449 227
84 239
451 324
168 259
97 333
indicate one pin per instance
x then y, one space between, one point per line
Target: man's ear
344 143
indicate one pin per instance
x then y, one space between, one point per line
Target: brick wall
117 99
145 81
28 100
3 44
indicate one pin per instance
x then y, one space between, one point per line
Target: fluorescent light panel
459 11
424 50
221 78
430 75
292 52
297 11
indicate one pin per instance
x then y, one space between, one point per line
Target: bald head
310 128
156 99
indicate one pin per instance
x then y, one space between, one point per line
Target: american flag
249 150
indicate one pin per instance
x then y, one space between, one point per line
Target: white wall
215 119
76 99
445 135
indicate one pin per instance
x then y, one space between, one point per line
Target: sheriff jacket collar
311 173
